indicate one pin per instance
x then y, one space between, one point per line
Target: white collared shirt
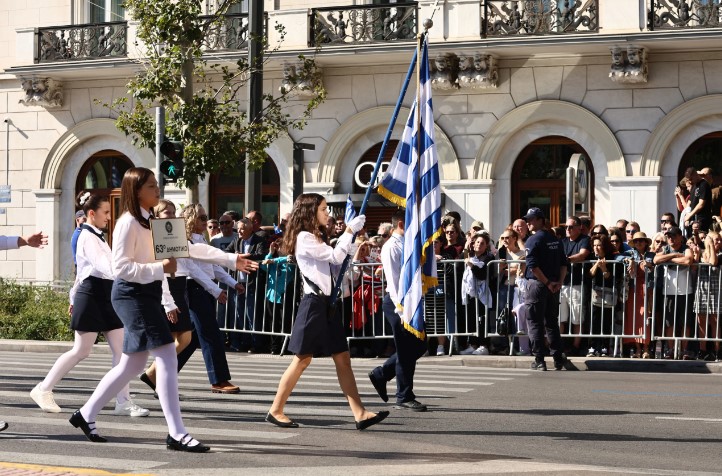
9 242
206 255
93 258
133 257
391 256
314 256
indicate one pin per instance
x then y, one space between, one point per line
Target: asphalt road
481 421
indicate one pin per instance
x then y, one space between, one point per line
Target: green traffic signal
172 166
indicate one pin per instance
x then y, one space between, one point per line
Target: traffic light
172 165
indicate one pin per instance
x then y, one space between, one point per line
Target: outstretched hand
38 240
246 265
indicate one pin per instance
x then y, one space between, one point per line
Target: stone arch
367 128
82 141
506 139
281 153
677 131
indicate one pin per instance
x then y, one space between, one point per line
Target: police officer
546 268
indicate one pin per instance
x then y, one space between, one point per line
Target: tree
202 99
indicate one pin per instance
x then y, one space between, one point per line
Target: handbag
502 322
604 297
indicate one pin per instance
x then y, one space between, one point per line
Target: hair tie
84 198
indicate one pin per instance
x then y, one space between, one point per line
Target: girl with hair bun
90 308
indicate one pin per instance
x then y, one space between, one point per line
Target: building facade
628 92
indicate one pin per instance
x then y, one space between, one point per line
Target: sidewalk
489 361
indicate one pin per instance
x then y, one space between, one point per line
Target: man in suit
402 364
252 299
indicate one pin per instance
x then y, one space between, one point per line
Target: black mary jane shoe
283 424
178 445
363 424
78 421
146 380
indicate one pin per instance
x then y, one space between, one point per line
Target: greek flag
412 181
350 212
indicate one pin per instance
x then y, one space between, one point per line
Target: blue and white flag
412 181
350 212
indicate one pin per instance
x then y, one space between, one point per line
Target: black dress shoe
3 425
283 424
363 424
178 445
412 405
78 421
146 380
379 386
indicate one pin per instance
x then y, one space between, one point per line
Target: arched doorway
539 178
705 152
227 192
102 174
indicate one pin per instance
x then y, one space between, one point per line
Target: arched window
102 174
705 152
227 192
539 178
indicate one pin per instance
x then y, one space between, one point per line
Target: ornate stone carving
45 92
632 69
477 72
297 82
444 71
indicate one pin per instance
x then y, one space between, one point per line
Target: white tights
81 349
166 384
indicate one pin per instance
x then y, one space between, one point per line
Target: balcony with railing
228 33
682 14
81 42
366 24
501 18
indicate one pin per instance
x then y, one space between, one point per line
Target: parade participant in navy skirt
136 298
316 331
90 308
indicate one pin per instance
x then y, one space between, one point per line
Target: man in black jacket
247 303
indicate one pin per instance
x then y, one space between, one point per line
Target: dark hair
603 228
399 215
618 232
607 246
133 181
575 219
90 201
304 217
234 214
585 221
690 172
559 232
256 214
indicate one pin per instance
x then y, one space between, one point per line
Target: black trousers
543 316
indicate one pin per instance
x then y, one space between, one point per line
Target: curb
481 361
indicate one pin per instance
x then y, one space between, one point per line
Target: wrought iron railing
538 17
674 14
361 25
230 33
81 42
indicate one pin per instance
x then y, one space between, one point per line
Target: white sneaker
481 351
440 350
131 409
468 351
44 399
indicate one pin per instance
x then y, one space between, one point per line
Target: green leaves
205 102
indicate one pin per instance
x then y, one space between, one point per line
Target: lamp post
252 199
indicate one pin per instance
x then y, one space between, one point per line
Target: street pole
252 199
159 137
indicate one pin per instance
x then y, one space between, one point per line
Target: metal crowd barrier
667 302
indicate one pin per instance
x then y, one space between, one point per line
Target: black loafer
412 405
144 378
178 445
363 424
3 425
283 424
536 365
379 386
78 421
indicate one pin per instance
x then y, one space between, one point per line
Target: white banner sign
169 238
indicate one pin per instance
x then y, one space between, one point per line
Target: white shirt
93 258
133 257
391 255
8 242
205 262
314 256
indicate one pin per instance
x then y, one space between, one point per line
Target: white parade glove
357 223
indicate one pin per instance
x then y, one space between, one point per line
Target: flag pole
344 266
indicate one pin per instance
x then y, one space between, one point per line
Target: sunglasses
225 222
665 221
614 241
631 231
203 217
505 237
450 232
385 235
659 241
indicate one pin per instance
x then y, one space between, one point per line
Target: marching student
90 308
37 240
315 330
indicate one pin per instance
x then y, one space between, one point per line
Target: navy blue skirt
92 309
313 332
139 308
178 289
